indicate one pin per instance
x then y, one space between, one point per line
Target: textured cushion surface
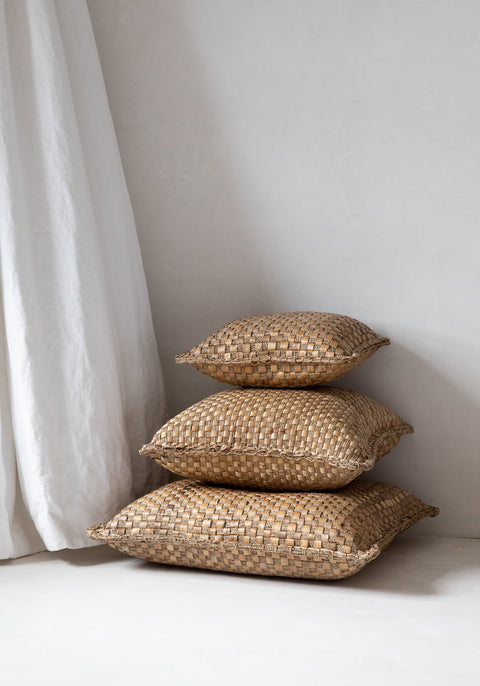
327 535
287 349
287 439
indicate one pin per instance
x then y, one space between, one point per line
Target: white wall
324 155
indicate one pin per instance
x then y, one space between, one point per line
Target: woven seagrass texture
287 349
280 439
309 535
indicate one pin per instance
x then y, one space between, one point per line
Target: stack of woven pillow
270 466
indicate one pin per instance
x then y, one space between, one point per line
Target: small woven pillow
309 535
288 349
288 439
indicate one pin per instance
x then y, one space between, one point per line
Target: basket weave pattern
284 441
309 535
278 439
288 349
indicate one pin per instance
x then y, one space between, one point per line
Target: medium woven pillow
288 439
309 535
288 349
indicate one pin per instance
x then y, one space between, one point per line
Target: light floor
95 616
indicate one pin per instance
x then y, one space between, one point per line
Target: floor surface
95 616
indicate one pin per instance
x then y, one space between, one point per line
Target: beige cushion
310 535
290 439
288 349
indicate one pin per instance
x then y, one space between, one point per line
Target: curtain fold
81 383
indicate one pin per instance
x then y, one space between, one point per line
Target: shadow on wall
445 417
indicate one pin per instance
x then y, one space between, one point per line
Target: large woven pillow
288 439
309 535
288 349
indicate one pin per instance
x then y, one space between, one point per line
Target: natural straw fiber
284 439
287 349
309 535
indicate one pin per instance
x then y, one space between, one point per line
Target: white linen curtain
81 384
